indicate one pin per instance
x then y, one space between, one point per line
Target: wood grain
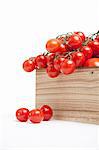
73 97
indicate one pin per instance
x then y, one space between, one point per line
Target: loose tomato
22 114
29 65
92 62
78 58
51 71
47 111
67 66
74 41
87 51
81 34
53 45
41 61
36 116
95 47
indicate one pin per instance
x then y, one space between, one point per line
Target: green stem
93 35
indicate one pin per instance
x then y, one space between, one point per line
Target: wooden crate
73 97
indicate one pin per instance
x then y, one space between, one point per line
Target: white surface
48 134
25 26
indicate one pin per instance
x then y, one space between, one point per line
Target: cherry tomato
53 45
62 48
87 51
62 39
74 41
57 62
81 34
29 65
50 58
67 66
78 58
47 111
92 62
95 47
36 116
22 114
41 61
51 71
33 59
67 47
97 38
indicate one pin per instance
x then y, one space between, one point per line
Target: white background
25 26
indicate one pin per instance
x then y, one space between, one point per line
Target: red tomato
33 59
57 62
87 51
62 39
29 65
95 47
97 37
22 114
74 41
53 45
50 58
92 62
36 116
47 111
41 61
67 66
67 47
51 71
81 34
62 48
78 58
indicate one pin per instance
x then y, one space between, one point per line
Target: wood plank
77 92
79 116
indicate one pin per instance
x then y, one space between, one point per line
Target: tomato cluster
65 53
44 113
